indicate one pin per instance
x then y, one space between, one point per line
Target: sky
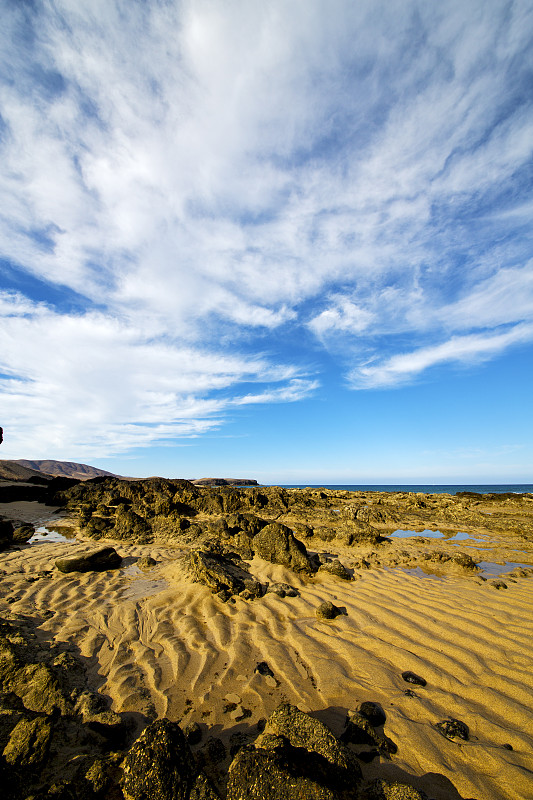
289 241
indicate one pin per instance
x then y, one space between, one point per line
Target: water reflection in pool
53 534
408 534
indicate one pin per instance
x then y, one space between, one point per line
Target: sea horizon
424 488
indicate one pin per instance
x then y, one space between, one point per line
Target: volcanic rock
276 543
373 712
412 677
99 560
159 765
327 610
218 571
296 757
337 568
453 729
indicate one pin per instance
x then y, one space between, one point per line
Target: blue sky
287 240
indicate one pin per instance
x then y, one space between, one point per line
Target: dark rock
249 524
159 765
131 526
99 560
302 730
283 773
238 740
6 533
212 752
384 790
29 743
282 590
464 560
263 669
217 571
203 789
412 677
296 758
373 712
453 729
193 733
336 568
23 534
253 588
146 562
497 584
359 731
276 543
327 610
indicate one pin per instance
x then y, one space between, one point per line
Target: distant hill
15 471
23 470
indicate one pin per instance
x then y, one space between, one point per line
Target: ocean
480 488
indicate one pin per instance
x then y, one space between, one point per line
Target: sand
157 644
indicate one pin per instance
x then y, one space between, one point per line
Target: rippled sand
157 644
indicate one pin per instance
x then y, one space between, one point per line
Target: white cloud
470 349
203 171
89 384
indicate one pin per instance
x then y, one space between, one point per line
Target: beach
160 645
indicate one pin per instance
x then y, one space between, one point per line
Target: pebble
412 677
453 729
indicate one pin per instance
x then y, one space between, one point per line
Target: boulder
373 712
6 533
159 765
22 534
359 731
337 568
98 560
276 543
218 571
327 610
296 757
29 743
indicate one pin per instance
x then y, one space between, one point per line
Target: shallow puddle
49 534
463 537
399 534
419 572
490 569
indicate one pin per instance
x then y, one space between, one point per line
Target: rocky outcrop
217 571
98 560
295 757
6 533
54 731
277 543
159 765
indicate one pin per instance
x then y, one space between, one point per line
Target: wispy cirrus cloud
93 382
470 349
